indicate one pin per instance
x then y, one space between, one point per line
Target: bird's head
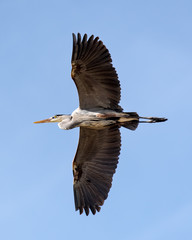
56 118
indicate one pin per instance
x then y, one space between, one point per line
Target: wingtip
79 35
74 36
86 210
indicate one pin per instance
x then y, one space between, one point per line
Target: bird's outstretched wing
94 165
95 77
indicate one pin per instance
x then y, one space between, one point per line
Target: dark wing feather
95 77
94 165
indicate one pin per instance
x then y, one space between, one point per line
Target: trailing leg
152 119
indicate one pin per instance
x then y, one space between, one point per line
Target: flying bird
100 118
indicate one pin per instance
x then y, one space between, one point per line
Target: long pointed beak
44 121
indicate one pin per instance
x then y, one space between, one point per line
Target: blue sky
150 43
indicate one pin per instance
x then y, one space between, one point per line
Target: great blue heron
99 117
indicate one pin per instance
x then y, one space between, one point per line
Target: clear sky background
151 46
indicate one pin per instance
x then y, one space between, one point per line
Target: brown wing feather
95 77
94 165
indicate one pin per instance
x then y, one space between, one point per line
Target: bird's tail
130 120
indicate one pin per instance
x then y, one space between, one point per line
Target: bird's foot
152 119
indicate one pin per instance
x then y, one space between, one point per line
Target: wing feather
95 77
94 165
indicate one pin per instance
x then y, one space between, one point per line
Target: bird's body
99 117
96 119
